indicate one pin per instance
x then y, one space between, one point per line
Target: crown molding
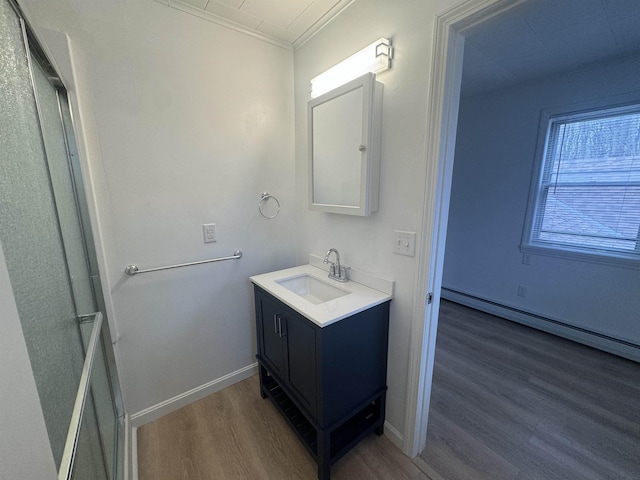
223 22
316 27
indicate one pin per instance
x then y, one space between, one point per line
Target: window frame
531 246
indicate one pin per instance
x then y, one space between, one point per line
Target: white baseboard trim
156 411
556 327
393 434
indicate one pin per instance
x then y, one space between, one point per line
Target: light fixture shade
374 58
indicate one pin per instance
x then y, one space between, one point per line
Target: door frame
451 26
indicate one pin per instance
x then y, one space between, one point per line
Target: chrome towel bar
132 269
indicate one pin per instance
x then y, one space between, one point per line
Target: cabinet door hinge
429 298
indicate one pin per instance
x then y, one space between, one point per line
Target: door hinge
429 298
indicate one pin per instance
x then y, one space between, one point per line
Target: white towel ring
263 199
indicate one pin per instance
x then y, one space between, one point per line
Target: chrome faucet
336 271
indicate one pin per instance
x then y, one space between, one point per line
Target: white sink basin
312 289
308 291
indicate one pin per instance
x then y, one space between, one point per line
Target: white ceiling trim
319 24
211 17
336 10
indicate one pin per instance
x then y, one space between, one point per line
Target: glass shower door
50 261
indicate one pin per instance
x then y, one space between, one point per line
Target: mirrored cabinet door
344 148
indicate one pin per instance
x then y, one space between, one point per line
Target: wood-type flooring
235 435
510 402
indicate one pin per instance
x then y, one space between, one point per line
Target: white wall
186 123
366 243
25 452
495 151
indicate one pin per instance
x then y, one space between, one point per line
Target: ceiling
545 37
287 23
534 39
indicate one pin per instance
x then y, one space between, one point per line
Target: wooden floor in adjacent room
510 402
236 435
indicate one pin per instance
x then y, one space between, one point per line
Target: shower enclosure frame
100 337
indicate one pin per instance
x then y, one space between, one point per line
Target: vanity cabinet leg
324 455
262 375
381 409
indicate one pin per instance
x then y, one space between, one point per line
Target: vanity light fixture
375 58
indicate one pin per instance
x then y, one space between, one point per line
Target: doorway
453 27
442 112
46 240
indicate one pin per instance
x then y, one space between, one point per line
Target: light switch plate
209 232
404 243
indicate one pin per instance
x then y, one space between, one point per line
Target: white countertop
359 298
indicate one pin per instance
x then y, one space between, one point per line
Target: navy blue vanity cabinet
329 382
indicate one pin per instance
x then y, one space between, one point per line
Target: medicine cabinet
344 148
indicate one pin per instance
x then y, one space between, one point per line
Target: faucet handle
342 274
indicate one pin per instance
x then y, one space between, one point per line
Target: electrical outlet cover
522 290
209 232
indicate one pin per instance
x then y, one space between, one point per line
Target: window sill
613 260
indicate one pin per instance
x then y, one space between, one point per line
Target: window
588 194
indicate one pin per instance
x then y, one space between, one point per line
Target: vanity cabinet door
271 327
287 344
301 352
